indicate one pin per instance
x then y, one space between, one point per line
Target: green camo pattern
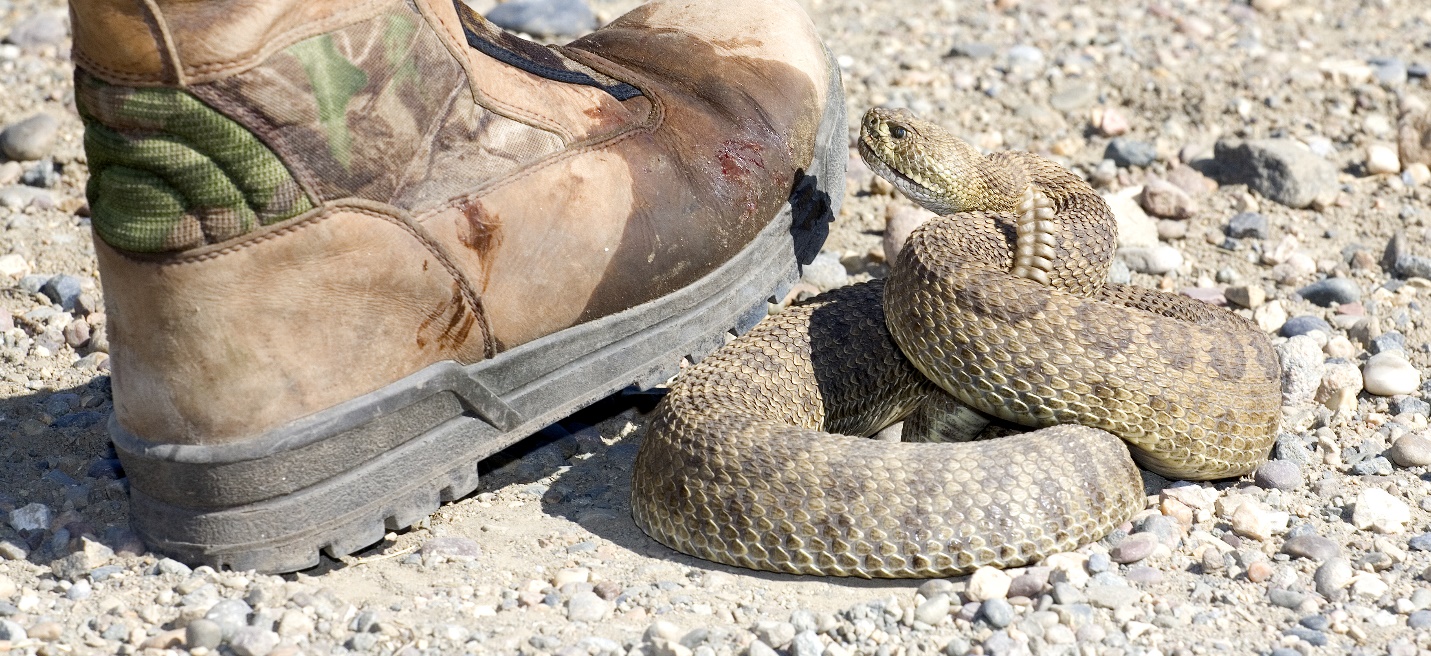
168 172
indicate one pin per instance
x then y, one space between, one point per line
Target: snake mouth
916 190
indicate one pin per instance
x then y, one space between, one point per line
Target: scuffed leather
222 343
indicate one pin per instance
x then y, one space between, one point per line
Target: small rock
825 272
1127 152
1332 291
544 18
586 607
253 641
998 612
1191 180
1279 475
1248 296
1332 576
1164 199
1414 138
1031 583
1280 169
775 634
1133 548
1341 382
1419 620
1135 227
1172 229
1379 511
31 517
1248 225
1303 324
30 139
933 611
1112 597
1390 340
807 643
294 623
41 29
1411 451
1381 159
63 290
1409 405
1250 521
14 266
988 583
1286 598
1156 260
1389 374
230 615
1259 571
1302 369
12 631
1270 317
203 633
452 548
1309 545
897 227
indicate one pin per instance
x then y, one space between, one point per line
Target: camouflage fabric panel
168 173
378 110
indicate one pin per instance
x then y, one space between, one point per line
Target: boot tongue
534 58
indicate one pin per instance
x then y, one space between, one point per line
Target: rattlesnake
756 456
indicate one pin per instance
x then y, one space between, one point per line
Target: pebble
1331 291
897 226
30 139
1279 475
775 634
46 28
988 583
1286 598
1420 619
1416 174
203 633
1098 563
1248 225
63 290
1155 260
14 266
451 548
1302 369
933 611
1270 317
1390 340
1280 169
825 272
544 18
30 517
1411 451
12 631
1303 324
1311 546
1332 576
1293 449
997 612
807 643
1341 382
1135 227
1031 583
586 606
1112 597
957 646
230 615
1377 510
1133 548
1382 159
253 641
1109 121
1389 374
1167 200
1127 152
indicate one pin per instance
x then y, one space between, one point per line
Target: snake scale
758 456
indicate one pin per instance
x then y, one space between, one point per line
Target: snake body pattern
757 456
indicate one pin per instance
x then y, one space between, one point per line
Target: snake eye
896 132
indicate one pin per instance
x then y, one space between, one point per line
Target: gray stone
31 517
825 272
30 139
933 611
544 18
1409 404
1303 366
997 612
1163 527
451 547
203 633
1144 574
1301 325
41 29
171 566
12 631
1314 638
253 641
1420 542
999 644
1378 466
1420 619
1065 594
1402 262
1152 260
1331 291
958 646
80 591
1127 152
63 290
1316 622
1112 597
1286 598
1389 71
43 174
1332 576
1248 225
230 615
1098 563
1280 169
1133 548
1293 449
775 634
1390 340
1412 451
1279 475
806 643
586 606
1031 583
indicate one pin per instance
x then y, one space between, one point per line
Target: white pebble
989 583
14 266
1155 260
1416 174
1270 316
1341 382
1389 374
1381 159
1377 510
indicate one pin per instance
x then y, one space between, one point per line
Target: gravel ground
1270 157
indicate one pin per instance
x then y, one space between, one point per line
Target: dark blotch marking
454 332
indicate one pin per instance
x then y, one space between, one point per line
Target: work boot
349 249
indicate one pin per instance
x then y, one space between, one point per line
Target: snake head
920 158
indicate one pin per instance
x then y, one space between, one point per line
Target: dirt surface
1326 552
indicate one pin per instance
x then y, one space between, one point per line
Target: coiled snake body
757 456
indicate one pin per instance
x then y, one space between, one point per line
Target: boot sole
338 480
